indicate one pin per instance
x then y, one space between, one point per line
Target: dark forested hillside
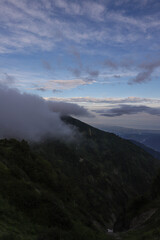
69 190
141 218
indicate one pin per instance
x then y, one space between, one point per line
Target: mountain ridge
70 190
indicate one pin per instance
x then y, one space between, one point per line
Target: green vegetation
142 217
76 190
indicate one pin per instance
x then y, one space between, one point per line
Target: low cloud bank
68 109
128 110
26 116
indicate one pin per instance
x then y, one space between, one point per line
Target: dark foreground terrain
77 190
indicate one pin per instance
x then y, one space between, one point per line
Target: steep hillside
120 157
141 220
38 201
154 153
74 190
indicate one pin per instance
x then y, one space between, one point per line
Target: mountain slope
126 160
141 219
69 190
154 153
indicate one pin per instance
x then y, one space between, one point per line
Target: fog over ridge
30 117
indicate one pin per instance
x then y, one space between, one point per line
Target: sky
101 55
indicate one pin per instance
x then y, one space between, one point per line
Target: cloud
30 117
94 10
84 72
93 73
69 7
128 110
130 100
146 72
141 77
87 9
58 85
41 89
123 64
142 24
110 64
43 24
77 56
117 76
76 72
87 76
61 84
69 109
8 79
56 91
46 65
